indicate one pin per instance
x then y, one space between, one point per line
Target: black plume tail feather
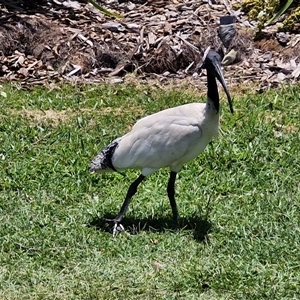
103 160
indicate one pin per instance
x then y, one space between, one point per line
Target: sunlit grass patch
238 201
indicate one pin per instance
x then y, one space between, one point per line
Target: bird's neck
212 92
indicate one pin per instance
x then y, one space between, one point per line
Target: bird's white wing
168 138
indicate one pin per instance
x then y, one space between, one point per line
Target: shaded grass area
239 201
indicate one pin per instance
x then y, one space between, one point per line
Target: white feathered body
168 138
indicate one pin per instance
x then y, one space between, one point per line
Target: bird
166 139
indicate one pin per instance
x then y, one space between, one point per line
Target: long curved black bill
214 60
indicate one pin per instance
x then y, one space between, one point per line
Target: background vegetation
267 12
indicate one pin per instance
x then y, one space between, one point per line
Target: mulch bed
59 40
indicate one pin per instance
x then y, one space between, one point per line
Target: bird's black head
212 63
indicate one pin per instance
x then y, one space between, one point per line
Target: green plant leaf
104 10
280 12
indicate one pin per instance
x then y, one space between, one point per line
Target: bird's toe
117 226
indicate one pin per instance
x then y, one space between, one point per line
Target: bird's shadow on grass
200 227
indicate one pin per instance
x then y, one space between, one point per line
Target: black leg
171 195
131 191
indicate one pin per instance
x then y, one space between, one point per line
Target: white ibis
168 138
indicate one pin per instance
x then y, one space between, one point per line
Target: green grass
239 201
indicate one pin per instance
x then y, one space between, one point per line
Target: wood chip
296 72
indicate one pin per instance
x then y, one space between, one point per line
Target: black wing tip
91 170
103 161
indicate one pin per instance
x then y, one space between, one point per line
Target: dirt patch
287 128
45 116
54 118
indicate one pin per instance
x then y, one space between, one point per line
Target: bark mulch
57 40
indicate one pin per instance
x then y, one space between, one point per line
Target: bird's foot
117 226
176 220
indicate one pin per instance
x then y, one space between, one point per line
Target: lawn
239 201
